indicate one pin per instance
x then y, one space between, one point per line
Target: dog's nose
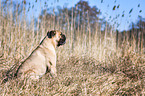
63 37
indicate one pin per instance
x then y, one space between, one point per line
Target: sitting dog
43 58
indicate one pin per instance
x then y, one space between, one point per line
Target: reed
92 62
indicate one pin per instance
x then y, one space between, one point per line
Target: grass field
88 64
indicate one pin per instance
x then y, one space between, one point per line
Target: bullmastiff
43 58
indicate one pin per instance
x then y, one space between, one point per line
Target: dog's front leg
52 67
53 71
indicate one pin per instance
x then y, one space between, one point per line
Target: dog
43 58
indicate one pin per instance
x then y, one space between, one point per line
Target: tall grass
91 62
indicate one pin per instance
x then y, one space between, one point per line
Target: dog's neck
48 43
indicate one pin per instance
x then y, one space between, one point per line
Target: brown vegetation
88 64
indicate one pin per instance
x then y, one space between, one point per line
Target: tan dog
43 58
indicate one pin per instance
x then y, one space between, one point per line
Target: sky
105 7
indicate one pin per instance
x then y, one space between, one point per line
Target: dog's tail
10 74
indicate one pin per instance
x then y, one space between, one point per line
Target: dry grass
83 75
86 64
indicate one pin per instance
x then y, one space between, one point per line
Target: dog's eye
53 33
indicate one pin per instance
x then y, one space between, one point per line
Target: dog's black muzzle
62 40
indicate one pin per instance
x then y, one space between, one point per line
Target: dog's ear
50 34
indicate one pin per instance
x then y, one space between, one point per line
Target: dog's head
58 36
